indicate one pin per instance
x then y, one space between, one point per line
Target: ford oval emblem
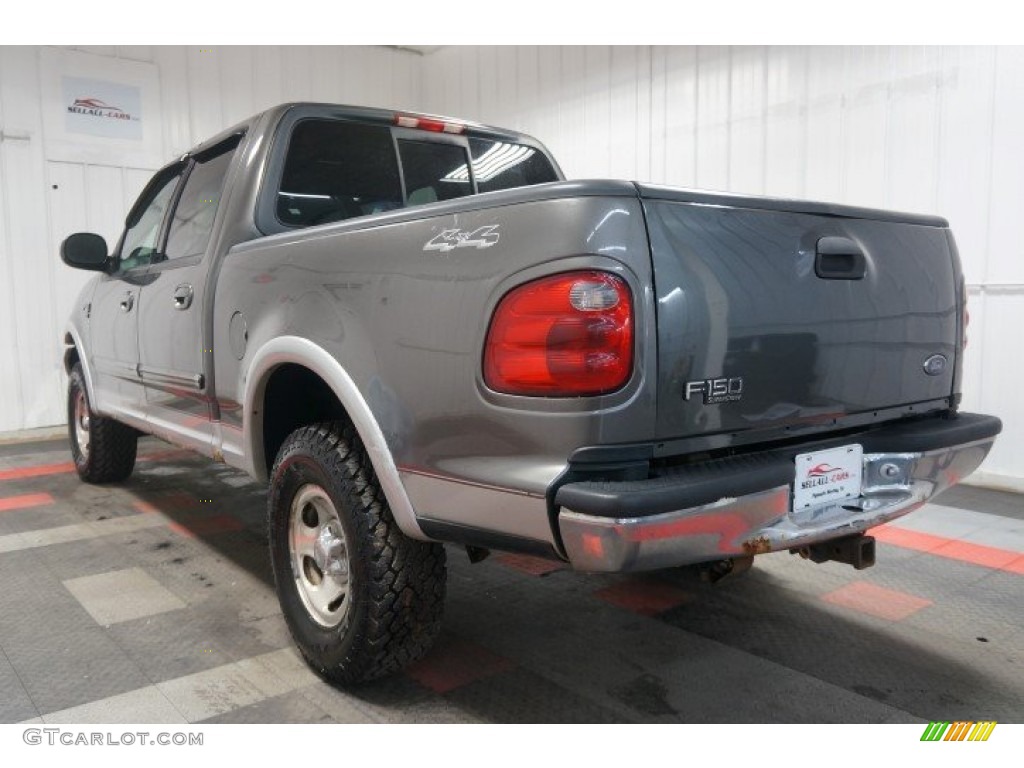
935 365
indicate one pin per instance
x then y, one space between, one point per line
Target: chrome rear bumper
762 522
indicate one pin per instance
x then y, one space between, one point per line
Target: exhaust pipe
857 550
716 571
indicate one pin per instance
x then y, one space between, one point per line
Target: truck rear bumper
928 456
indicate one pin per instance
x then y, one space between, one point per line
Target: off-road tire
396 584
112 446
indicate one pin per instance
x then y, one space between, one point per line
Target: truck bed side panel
408 324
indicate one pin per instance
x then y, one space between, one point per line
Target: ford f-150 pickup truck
417 332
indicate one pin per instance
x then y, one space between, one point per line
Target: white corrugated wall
41 201
930 129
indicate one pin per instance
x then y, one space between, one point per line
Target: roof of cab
352 112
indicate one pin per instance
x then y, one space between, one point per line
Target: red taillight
567 335
428 124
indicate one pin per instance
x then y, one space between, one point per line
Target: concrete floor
152 602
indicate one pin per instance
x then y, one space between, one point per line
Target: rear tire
361 599
103 449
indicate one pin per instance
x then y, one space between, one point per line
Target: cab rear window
338 169
501 165
433 171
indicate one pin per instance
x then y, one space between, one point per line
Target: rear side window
433 171
500 165
192 224
336 170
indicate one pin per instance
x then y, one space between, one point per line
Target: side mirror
84 250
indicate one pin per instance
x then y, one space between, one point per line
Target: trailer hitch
857 550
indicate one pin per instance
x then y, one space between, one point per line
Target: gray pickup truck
418 333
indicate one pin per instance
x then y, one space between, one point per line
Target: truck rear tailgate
777 313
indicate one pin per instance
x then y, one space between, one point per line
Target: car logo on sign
821 469
825 473
97 108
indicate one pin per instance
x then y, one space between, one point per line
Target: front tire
360 598
103 449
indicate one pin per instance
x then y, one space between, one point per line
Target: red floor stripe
1015 566
206 526
41 470
24 502
165 503
645 596
456 663
146 507
176 500
172 453
37 471
528 564
953 549
876 601
192 525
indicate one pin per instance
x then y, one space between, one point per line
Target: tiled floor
152 601
117 596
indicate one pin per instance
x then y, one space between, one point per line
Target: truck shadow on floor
584 648
217 506
559 646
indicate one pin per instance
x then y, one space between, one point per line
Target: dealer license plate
827 476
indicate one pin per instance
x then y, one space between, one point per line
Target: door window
140 238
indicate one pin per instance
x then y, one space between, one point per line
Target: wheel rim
82 424
319 555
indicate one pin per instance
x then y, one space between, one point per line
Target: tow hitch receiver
858 551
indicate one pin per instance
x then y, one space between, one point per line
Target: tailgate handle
839 258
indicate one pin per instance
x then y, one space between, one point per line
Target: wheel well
70 354
295 397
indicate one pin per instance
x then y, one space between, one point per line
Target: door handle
128 302
182 296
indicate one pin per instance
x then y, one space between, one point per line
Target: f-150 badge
715 390
449 239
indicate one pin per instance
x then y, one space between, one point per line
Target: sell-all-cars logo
97 108
823 474
822 470
959 731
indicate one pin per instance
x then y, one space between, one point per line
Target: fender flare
299 351
83 358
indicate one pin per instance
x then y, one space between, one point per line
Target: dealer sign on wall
102 108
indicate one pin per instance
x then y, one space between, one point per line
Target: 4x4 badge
449 239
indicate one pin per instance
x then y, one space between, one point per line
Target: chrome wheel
103 449
360 599
319 555
82 425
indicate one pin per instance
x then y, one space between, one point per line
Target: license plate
827 476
